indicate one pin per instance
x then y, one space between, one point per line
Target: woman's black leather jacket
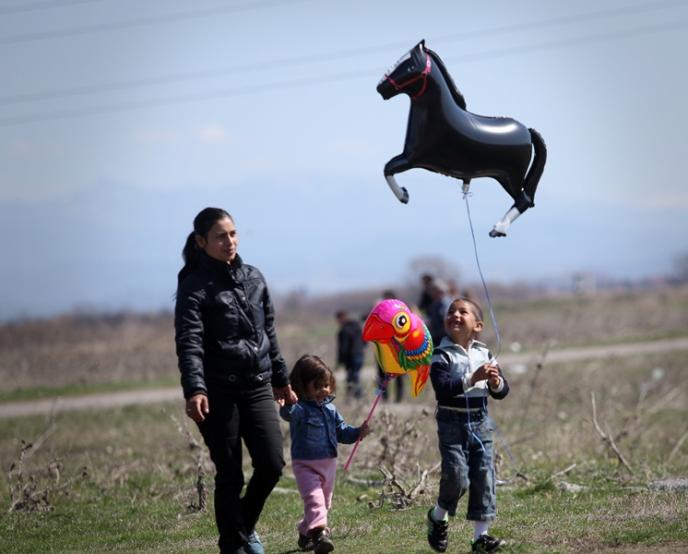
225 329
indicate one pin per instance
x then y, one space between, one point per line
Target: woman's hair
203 222
309 369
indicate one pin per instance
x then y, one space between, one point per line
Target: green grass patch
140 476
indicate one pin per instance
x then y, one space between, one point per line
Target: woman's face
221 241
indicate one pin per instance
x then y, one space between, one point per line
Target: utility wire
337 77
324 57
37 6
143 21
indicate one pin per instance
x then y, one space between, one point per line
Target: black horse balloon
443 137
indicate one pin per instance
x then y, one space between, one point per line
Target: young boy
463 375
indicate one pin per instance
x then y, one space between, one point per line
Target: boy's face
461 322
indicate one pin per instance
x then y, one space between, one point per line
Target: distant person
453 289
425 300
316 427
397 382
231 373
464 376
438 309
350 352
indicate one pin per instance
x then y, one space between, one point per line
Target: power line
143 21
332 56
326 79
37 6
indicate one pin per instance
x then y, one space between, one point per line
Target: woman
231 372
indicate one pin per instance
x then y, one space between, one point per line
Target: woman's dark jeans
250 415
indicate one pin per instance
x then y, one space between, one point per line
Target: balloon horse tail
526 198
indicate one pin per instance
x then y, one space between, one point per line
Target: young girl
231 372
316 427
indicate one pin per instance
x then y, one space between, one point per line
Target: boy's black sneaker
305 542
438 536
322 544
486 543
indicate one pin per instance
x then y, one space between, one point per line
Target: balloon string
466 194
505 444
380 392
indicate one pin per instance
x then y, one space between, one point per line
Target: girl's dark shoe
305 542
486 543
322 544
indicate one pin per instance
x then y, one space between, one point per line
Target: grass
123 479
141 474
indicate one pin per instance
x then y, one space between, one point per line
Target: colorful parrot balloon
403 345
402 341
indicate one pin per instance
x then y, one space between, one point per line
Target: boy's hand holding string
489 372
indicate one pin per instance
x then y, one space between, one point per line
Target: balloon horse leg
396 165
526 197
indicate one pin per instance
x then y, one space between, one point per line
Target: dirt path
116 399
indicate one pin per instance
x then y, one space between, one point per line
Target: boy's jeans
466 446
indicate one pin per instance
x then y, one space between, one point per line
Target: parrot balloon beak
377 329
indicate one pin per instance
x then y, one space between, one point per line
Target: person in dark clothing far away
350 352
425 300
381 375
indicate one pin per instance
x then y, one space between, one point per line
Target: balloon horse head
403 344
442 136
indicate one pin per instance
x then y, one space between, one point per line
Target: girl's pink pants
315 480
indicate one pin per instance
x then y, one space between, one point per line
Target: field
592 454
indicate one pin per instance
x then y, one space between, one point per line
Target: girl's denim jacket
316 429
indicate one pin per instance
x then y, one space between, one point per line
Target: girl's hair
203 222
308 369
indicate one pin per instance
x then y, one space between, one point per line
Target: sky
121 119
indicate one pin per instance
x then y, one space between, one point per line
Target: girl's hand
285 396
197 407
364 430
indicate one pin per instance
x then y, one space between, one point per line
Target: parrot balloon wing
442 136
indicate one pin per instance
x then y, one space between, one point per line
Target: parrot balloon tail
442 136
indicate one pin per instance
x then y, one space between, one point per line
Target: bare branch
676 448
607 437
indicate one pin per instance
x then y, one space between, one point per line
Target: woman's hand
285 396
197 407
364 430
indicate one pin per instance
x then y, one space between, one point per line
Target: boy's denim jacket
316 429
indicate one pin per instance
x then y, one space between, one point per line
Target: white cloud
669 201
212 132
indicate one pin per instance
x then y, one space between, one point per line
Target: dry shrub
32 488
402 453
